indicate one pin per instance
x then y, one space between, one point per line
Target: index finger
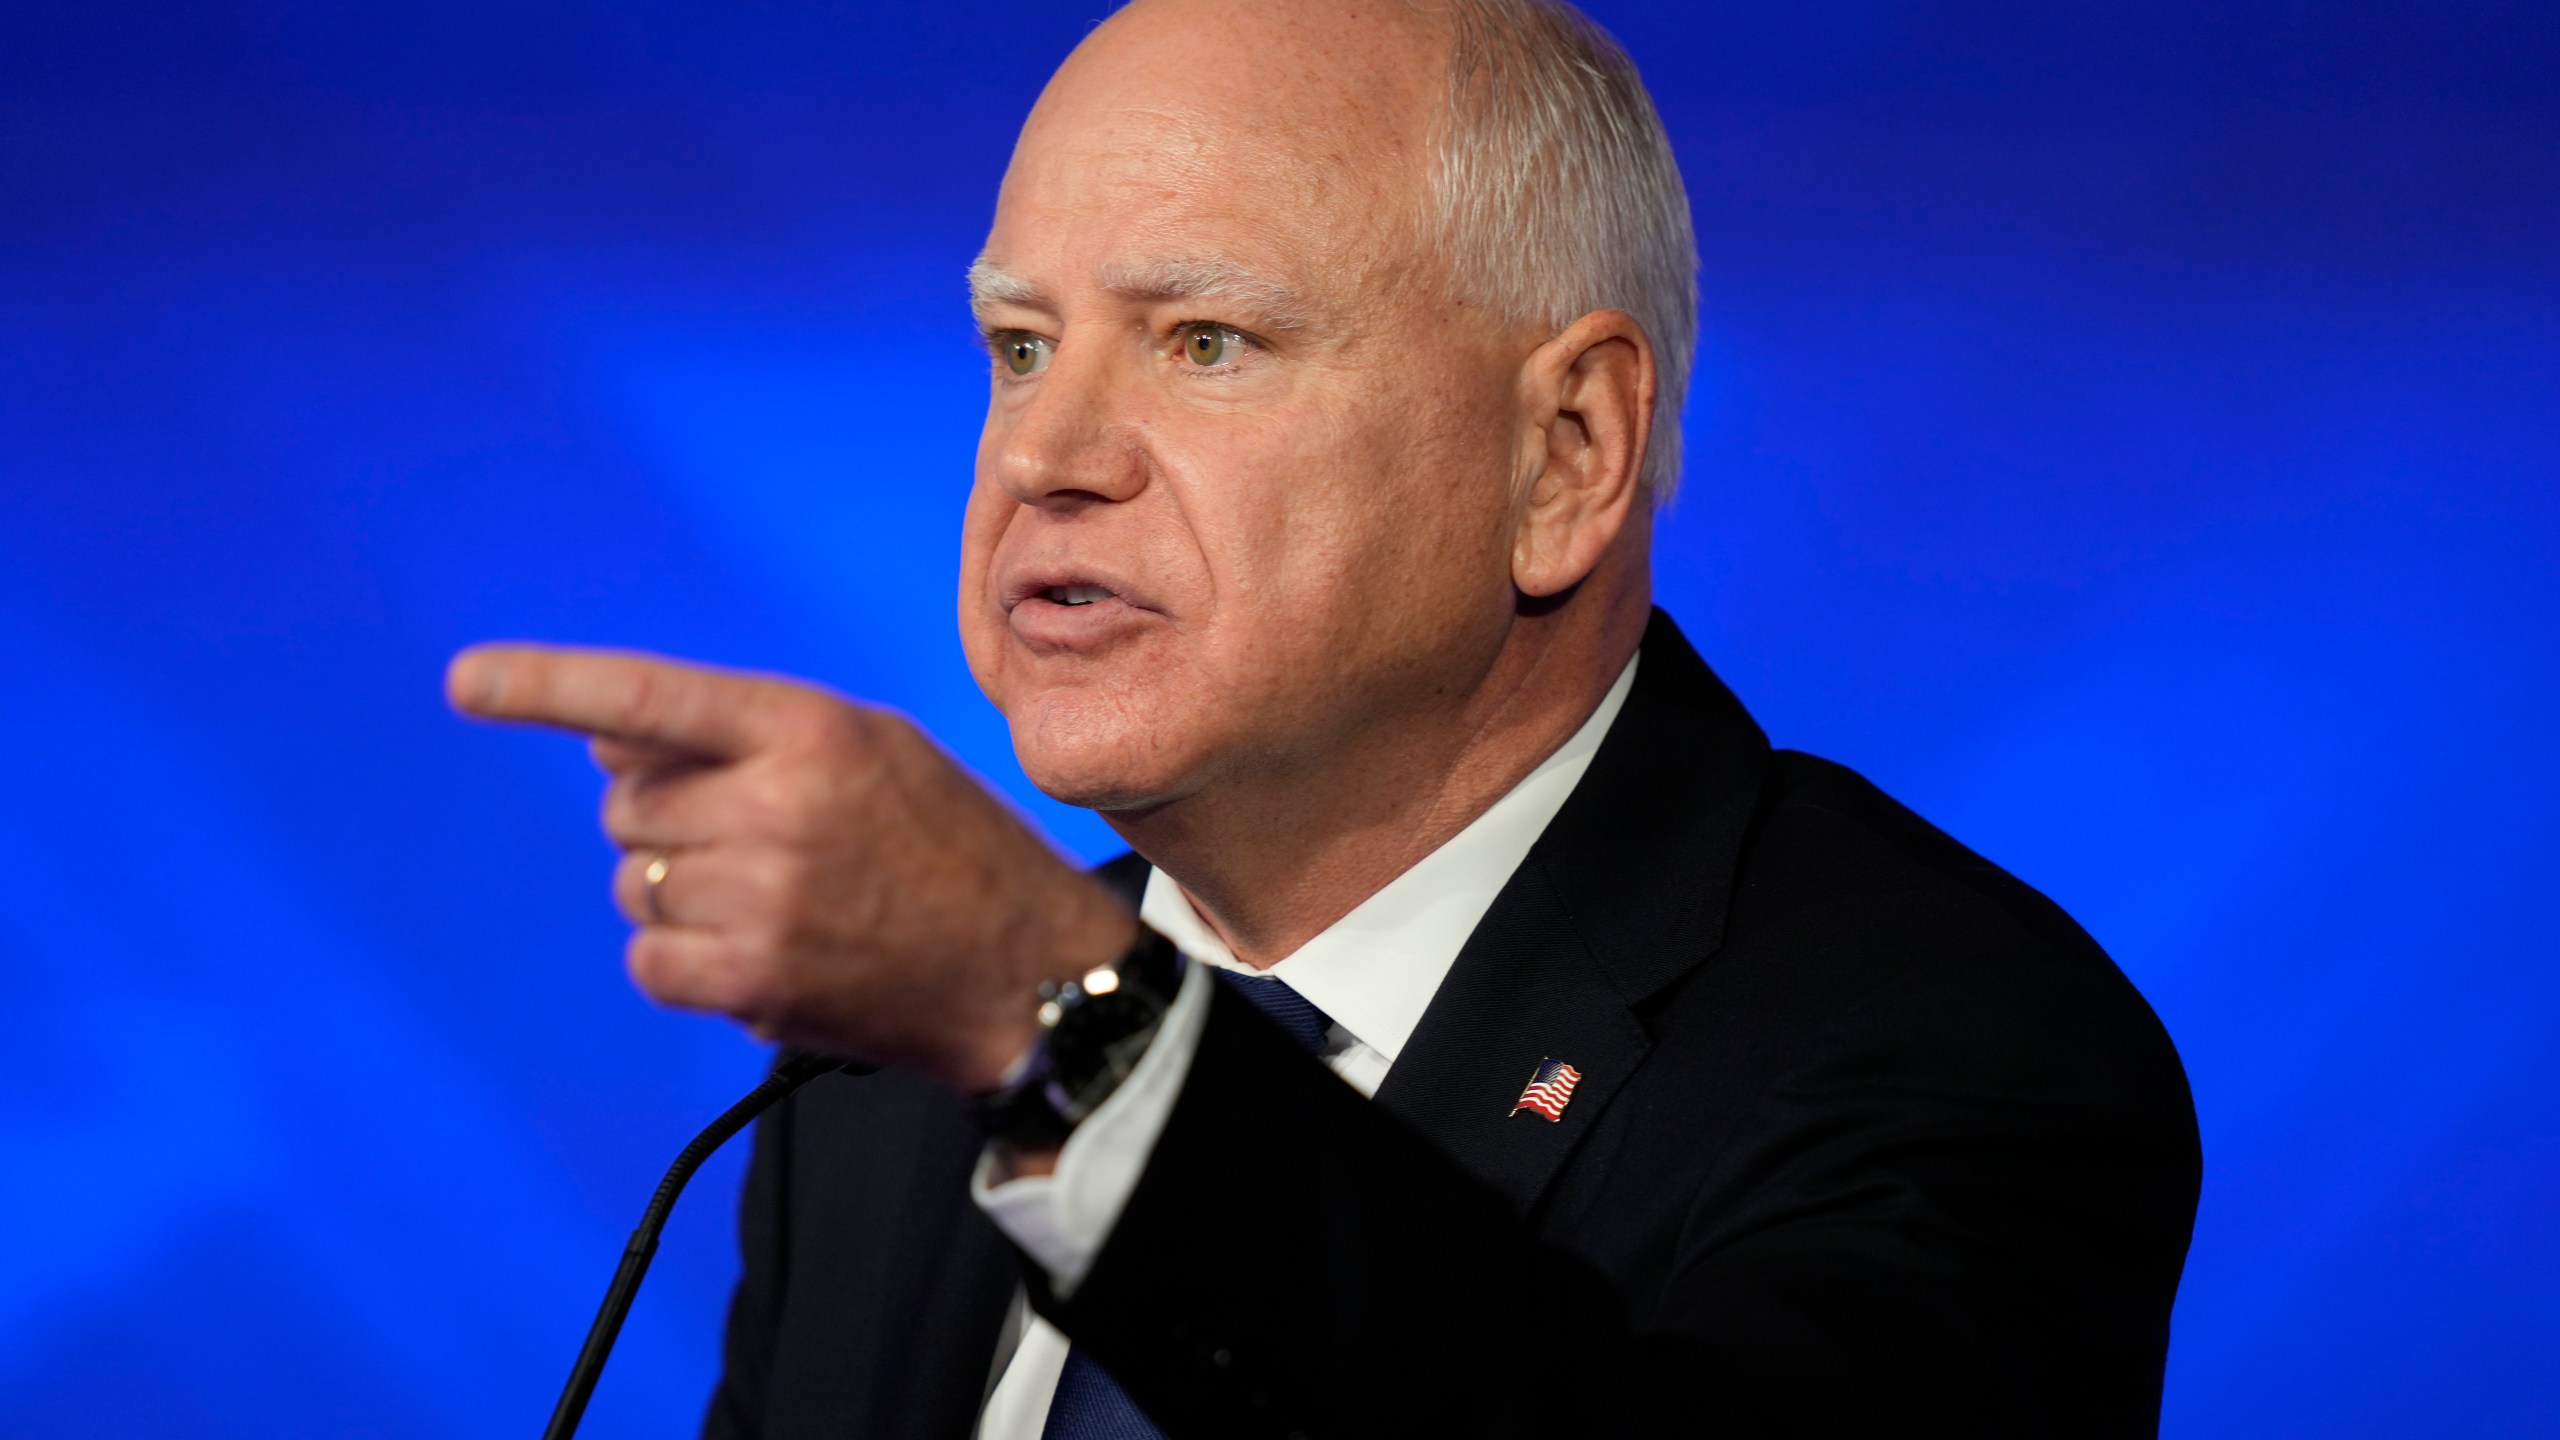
618 694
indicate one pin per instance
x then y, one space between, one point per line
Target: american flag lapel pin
1550 1088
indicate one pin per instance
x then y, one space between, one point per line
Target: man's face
1242 495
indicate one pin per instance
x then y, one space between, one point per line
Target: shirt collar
1375 970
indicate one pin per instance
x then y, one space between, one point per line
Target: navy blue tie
1090 1405
1287 1008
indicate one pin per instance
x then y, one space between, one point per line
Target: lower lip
1047 625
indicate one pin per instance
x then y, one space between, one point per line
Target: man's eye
1024 354
1208 344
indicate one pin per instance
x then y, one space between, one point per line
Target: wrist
1082 930
1093 1029
1099 932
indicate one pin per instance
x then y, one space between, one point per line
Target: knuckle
890 734
619 812
691 976
750 982
837 728
777 884
773 800
645 959
628 889
644 697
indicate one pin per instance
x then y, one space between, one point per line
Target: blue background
2126 431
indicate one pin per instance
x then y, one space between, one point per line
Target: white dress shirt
1372 972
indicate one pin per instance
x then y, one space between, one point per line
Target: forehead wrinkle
1209 279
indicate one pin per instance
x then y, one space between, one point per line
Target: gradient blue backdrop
2126 431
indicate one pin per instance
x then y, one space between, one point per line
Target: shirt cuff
1061 1219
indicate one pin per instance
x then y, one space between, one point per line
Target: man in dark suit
1505 1039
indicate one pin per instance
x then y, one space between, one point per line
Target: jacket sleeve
1298 1261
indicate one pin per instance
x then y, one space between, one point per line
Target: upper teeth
1078 594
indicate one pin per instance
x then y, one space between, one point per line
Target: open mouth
1074 594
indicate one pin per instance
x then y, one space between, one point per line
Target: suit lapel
1624 893
1523 990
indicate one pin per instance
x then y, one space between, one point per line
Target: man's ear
1586 407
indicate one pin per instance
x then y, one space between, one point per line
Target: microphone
792 1073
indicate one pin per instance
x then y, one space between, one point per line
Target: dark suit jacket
1870 1139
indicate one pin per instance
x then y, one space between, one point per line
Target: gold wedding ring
652 875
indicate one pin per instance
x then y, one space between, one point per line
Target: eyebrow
991 284
1213 279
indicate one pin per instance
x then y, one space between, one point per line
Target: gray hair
1556 193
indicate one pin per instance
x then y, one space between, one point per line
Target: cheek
1399 498
1353 546
982 527
1425 557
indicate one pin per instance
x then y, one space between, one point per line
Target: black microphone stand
788 1076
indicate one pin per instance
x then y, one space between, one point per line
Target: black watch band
1093 1031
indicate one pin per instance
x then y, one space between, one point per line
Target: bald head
1381 63
1322 113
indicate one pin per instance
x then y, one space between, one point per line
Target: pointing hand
828 877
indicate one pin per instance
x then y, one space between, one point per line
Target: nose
1075 438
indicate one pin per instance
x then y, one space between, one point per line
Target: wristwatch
1093 1031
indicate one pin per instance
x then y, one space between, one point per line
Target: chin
1082 751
